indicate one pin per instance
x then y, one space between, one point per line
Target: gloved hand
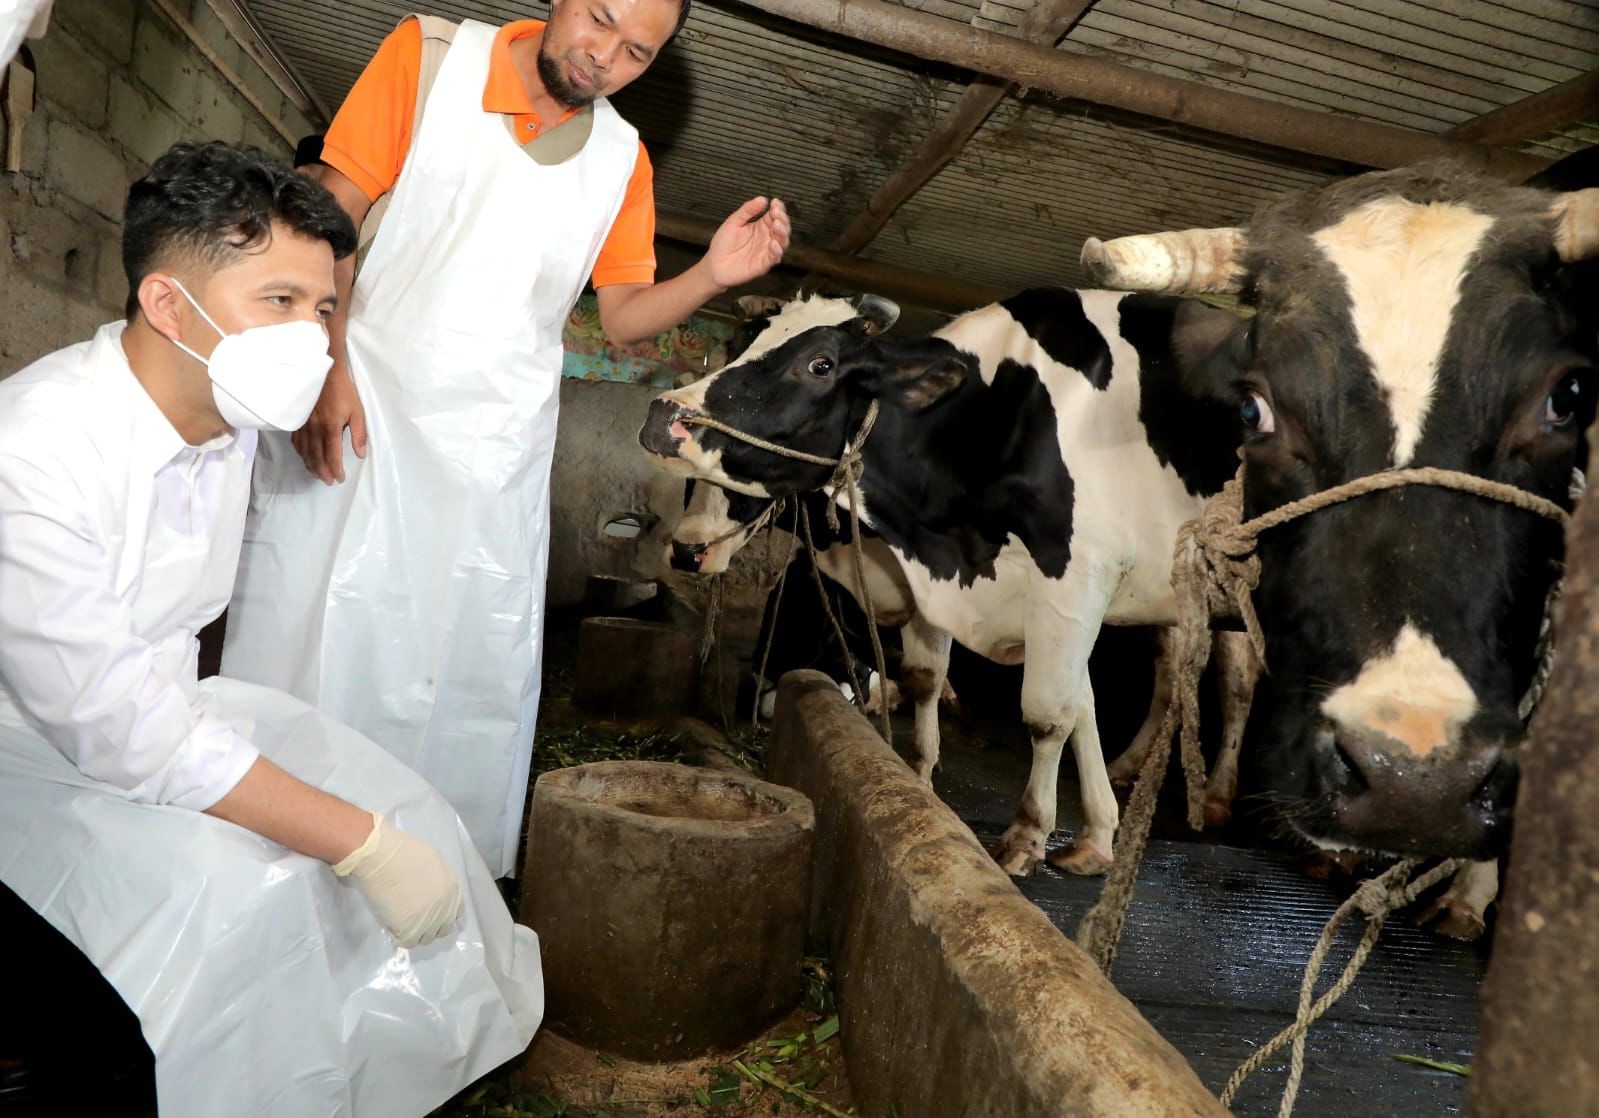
409 885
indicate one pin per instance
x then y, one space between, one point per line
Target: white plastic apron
263 984
409 601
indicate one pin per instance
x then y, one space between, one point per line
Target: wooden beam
920 288
1540 1003
1538 115
250 37
1101 82
1045 22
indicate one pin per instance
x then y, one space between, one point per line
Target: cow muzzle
1454 802
664 433
687 556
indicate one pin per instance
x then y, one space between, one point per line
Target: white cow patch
1413 695
793 320
1403 263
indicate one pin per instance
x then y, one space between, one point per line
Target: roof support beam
1538 115
239 23
1101 82
920 288
1044 23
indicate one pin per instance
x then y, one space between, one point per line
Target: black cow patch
983 465
1053 317
1196 435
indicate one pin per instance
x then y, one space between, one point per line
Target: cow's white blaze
1413 695
793 320
1403 263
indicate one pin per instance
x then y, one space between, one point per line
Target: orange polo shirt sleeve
371 135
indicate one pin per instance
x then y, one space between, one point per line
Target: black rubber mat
1213 953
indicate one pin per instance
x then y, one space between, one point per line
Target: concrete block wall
118 84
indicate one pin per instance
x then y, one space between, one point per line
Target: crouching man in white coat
299 921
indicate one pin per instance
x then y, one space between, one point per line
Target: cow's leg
1090 852
1124 770
1462 912
923 670
1237 672
1059 634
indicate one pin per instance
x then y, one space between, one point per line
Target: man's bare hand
321 441
750 242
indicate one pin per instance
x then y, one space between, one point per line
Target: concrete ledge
957 995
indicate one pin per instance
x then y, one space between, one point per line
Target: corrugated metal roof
747 104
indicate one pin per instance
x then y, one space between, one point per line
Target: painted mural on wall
696 347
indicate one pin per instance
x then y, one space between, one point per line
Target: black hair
682 18
215 201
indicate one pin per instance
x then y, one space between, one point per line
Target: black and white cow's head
805 383
717 522
1421 317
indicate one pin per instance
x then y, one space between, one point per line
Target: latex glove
409 885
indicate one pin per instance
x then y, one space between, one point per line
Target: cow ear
921 384
1199 330
877 314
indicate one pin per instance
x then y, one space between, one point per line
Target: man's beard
552 72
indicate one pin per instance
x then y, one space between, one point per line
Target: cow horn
1190 260
751 307
880 313
1576 214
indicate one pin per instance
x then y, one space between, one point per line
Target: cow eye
821 366
1569 397
1256 414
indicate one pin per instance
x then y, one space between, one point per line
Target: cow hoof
1019 859
1217 812
1082 858
1453 918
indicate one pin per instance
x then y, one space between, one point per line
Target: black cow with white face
1421 317
1029 467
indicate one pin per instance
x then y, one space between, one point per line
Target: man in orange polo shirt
408 601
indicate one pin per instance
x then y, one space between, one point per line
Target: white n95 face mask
266 377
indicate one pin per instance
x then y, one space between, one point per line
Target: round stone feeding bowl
670 904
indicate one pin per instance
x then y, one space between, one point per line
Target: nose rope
1214 572
750 526
851 454
847 469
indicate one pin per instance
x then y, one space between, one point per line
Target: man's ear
161 303
924 373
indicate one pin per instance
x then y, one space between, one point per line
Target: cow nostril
1499 774
1353 772
687 556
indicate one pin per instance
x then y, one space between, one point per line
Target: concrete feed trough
670 904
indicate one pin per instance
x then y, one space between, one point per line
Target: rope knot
1378 896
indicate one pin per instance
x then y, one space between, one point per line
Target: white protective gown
263 984
21 19
408 602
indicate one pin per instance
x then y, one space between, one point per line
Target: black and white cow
716 524
1029 469
1422 317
